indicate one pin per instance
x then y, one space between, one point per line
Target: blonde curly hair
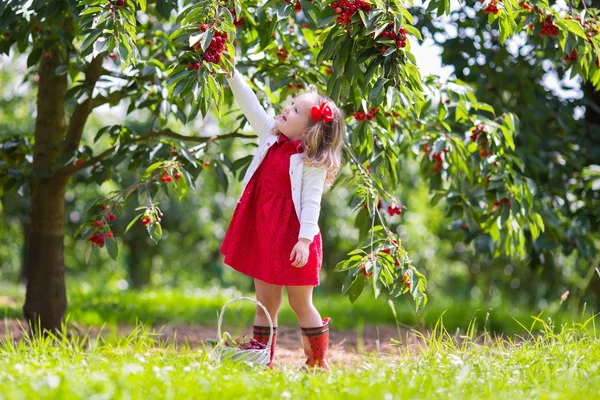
322 141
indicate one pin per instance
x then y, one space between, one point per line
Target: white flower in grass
18 367
132 368
53 381
140 358
286 395
455 360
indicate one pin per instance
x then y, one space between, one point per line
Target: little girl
274 234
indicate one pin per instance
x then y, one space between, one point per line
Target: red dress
264 228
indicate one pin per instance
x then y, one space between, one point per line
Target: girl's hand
301 253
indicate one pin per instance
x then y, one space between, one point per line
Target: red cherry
109 234
111 217
79 163
338 10
120 3
103 207
97 224
207 163
177 175
113 56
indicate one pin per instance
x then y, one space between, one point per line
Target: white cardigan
308 183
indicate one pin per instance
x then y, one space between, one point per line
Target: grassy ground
565 365
99 306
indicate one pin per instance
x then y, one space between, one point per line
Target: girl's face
293 119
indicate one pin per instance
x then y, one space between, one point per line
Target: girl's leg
270 296
300 299
315 331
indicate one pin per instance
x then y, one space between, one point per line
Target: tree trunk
46 299
139 262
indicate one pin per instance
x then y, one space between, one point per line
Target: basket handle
257 303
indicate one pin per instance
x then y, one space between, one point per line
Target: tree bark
46 299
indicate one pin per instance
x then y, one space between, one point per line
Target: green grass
99 306
565 365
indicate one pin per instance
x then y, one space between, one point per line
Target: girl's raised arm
249 104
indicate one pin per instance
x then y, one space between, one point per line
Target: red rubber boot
261 333
316 346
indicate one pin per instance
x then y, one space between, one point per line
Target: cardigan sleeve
249 104
313 184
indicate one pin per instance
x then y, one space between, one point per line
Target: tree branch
83 110
73 169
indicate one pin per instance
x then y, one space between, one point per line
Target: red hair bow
324 111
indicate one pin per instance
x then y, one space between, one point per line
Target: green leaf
88 251
112 248
132 222
142 4
155 231
356 288
310 11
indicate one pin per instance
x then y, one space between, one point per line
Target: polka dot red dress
264 228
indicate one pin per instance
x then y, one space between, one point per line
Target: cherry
111 217
79 163
177 175
103 207
109 234
120 3
112 56
207 163
97 224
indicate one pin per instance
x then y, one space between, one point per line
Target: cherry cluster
503 202
361 115
146 220
399 38
216 47
167 178
97 238
572 56
394 210
237 22
347 8
282 53
548 28
297 5
477 131
526 6
213 53
253 344
492 8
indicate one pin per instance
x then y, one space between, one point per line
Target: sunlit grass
561 365
90 305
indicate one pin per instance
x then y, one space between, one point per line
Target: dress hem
269 281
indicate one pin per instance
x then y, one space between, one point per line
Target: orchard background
123 152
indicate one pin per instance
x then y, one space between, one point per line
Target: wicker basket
250 356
